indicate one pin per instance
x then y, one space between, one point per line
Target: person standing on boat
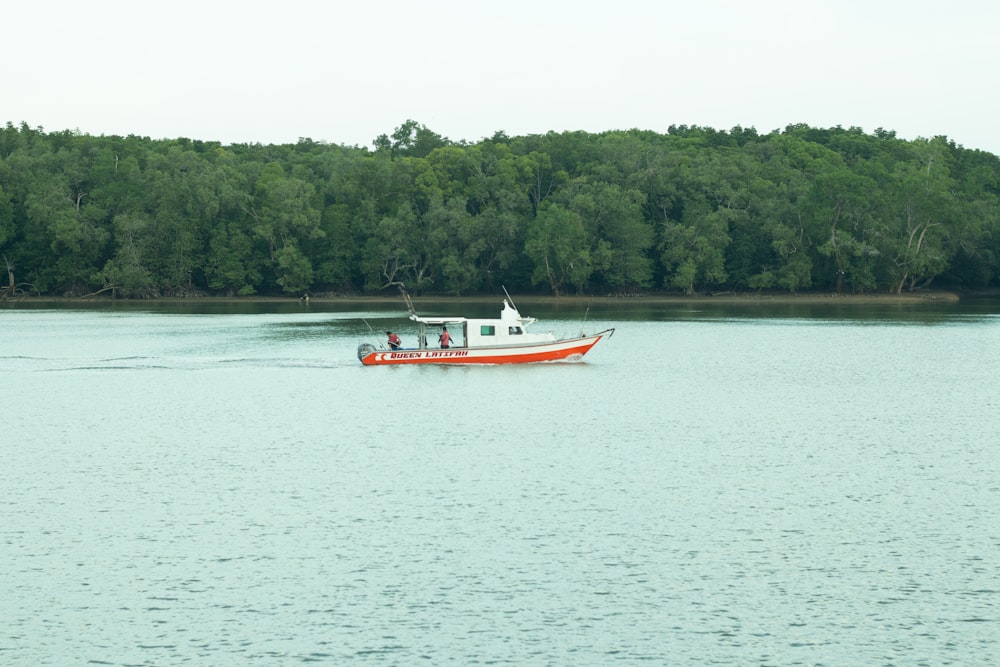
445 338
394 342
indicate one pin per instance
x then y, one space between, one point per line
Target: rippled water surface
229 486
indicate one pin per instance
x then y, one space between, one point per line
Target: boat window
487 330
515 331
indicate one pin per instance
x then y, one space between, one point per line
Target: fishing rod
374 335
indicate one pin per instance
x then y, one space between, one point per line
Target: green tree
284 216
127 274
620 236
558 244
691 209
780 249
693 251
6 219
840 208
63 226
335 254
692 248
917 235
411 139
453 246
6 237
231 266
397 252
500 209
976 240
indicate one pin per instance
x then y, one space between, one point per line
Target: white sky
272 72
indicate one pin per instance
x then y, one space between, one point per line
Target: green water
738 486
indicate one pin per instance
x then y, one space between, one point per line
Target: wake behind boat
505 340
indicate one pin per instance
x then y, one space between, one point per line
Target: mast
504 288
407 300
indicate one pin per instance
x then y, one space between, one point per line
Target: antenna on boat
406 299
504 288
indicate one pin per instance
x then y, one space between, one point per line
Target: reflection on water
569 308
720 487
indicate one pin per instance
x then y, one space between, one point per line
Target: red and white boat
477 341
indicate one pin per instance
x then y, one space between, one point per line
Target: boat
505 340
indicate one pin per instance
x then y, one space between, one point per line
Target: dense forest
620 212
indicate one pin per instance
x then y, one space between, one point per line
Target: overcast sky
272 72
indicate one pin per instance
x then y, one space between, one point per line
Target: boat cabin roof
508 315
438 320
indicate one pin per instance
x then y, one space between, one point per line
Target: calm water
714 486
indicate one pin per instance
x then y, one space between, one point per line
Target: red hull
527 354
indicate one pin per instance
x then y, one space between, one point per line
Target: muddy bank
937 296
728 297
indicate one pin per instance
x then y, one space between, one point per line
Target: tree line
690 210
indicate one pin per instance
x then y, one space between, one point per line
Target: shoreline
928 297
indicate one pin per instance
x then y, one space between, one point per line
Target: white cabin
509 329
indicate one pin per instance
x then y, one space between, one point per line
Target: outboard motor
364 350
